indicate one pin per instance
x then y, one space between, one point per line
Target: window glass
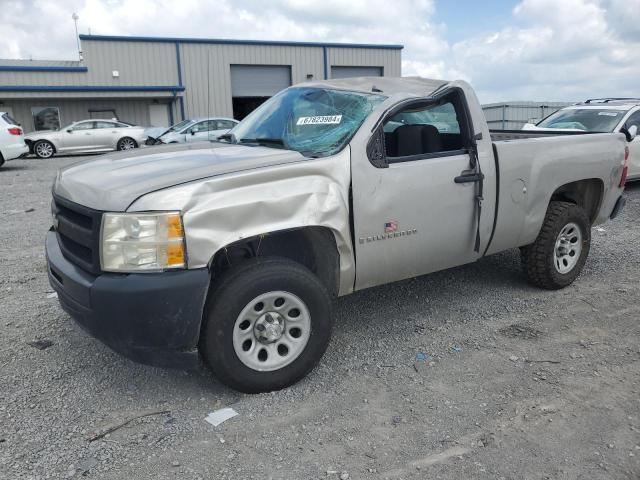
422 130
45 118
102 124
204 126
634 120
584 119
225 124
313 121
9 119
84 126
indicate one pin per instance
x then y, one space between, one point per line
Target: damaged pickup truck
234 250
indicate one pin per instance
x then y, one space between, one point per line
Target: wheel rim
44 150
126 144
271 331
568 248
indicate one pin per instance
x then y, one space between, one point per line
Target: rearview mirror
633 131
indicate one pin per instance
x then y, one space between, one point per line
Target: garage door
259 80
349 72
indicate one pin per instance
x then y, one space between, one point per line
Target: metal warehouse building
160 81
513 115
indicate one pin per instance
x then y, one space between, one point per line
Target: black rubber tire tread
35 145
230 294
118 145
537 258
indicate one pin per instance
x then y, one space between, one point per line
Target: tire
126 143
1 159
44 149
233 297
548 262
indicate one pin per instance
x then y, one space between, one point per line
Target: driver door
200 131
79 137
412 218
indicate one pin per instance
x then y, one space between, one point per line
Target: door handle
468 177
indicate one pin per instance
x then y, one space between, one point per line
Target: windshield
178 126
585 119
313 121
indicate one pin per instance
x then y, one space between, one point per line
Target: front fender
219 211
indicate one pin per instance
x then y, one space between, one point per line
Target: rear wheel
559 253
267 324
43 149
126 143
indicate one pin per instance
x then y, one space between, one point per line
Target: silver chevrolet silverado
234 250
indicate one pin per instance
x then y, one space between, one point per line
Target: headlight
142 242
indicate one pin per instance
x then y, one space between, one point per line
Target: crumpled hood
113 182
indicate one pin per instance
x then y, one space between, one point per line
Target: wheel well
313 247
130 138
32 143
584 193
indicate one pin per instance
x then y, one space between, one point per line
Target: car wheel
44 149
266 325
559 253
126 143
1 160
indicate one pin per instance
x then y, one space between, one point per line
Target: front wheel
43 149
267 323
559 253
126 143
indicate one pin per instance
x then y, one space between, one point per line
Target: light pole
75 21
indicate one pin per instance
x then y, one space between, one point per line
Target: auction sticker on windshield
320 120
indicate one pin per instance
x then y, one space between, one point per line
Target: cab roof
387 86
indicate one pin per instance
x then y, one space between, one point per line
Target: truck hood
113 182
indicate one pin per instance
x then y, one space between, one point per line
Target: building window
45 118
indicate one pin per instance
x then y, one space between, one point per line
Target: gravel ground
516 383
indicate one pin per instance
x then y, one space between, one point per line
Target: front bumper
150 318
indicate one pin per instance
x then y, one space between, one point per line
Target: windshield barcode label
320 120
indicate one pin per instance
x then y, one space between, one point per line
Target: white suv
11 139
600 115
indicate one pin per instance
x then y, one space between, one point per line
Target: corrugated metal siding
389 59
303 61
155 63
133 111
513 115
350 72
138 63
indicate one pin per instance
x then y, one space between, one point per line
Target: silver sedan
86 136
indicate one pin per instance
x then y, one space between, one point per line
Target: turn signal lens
142 242
625 167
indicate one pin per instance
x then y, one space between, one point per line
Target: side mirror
193 132
633 131
69 130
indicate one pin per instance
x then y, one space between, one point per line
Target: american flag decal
391 226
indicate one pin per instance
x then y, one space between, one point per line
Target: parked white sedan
86 136
197 130
11 139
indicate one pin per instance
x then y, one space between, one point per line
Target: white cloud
552 50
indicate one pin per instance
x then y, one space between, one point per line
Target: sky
541 50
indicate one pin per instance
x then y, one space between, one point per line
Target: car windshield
313 121
178 126
585 119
